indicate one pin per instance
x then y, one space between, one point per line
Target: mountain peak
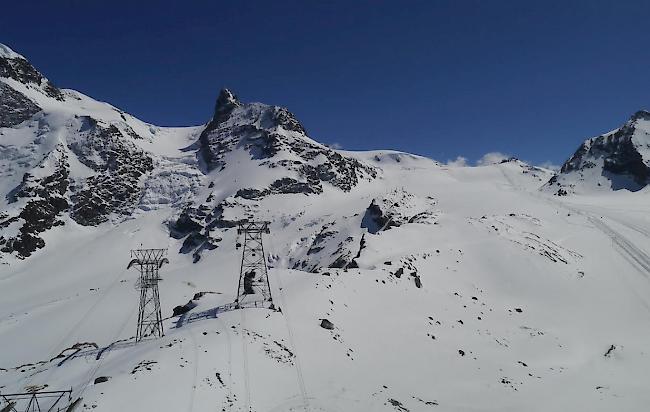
641 115
7 53
226 102
618 160
16 67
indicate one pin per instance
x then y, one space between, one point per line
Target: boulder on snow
101 379
326 324
181 309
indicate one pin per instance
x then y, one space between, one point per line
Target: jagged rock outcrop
119 165
275 144
16 67
618 160
397 208
268 131
76 159
44 199
15 107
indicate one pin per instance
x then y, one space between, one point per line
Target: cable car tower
254 289
149 261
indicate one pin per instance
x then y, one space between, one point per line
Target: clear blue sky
438 78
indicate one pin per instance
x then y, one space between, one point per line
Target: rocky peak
619 159
277 157
641 115
16 67
6 52
15 107
273 137
226 103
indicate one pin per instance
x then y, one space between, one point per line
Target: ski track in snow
630 252
195 369
292 342
229 400
247 384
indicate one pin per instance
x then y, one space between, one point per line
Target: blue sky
438 78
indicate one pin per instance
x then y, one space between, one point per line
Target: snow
588 172
485 294
641 139
6 52
381 348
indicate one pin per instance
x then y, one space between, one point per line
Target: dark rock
22 71
39 214
326 324
179 310
120 165
285 185
184 225
398 405
374 219
226 103
15 107
620 154
609 351
255 128
264 132
101 379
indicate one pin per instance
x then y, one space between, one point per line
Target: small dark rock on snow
326 324
101 379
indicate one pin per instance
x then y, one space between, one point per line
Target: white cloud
335 146
550 165
492 158
460 161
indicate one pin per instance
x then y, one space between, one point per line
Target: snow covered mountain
65 155
403 284
616 160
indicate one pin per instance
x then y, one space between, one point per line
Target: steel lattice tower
254 287
149 314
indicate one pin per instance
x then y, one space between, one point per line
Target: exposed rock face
397 208
119 165
108 167
620 153
226 103
19 69
374 219
285 185
271 138
99 171
333 245
620 157
200 226
267 131
326 324
48 191
45 201
15 107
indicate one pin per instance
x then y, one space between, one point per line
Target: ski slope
497 246
447 288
